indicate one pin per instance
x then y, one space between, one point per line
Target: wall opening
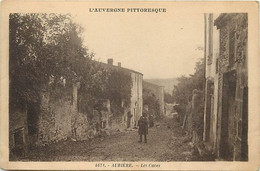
19 141
209 109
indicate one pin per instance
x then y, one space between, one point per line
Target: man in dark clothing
143 127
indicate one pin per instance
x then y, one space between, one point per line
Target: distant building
226 95
158 92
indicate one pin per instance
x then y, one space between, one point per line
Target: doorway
244 144
19 141
227 117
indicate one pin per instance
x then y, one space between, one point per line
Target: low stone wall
60 120
116 123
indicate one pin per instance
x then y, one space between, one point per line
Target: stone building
226 89
158 91
136 97
136 105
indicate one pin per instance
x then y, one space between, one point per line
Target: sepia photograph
128 86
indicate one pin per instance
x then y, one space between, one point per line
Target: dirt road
166 142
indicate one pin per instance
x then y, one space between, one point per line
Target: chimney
110 61
119 64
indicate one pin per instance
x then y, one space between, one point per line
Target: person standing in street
143 127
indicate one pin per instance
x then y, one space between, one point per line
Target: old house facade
136 97
226 92
133 113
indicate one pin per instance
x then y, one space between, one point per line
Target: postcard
129 85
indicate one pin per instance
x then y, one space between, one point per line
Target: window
19 138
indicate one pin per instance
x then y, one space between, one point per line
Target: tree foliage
168 98
119 87
153 104
182 92
105 83
26 38
47 52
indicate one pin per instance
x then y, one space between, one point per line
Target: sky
162 45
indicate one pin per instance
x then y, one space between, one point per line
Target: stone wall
55 120
84 131
117 123
60 120
233 59
58 117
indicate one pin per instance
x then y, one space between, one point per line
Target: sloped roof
116 67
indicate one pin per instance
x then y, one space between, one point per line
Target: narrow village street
166 142
69 102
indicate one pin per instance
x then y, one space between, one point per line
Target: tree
45 50
26 38
168 98
119 87
182 92
153 104
106 83
198 77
